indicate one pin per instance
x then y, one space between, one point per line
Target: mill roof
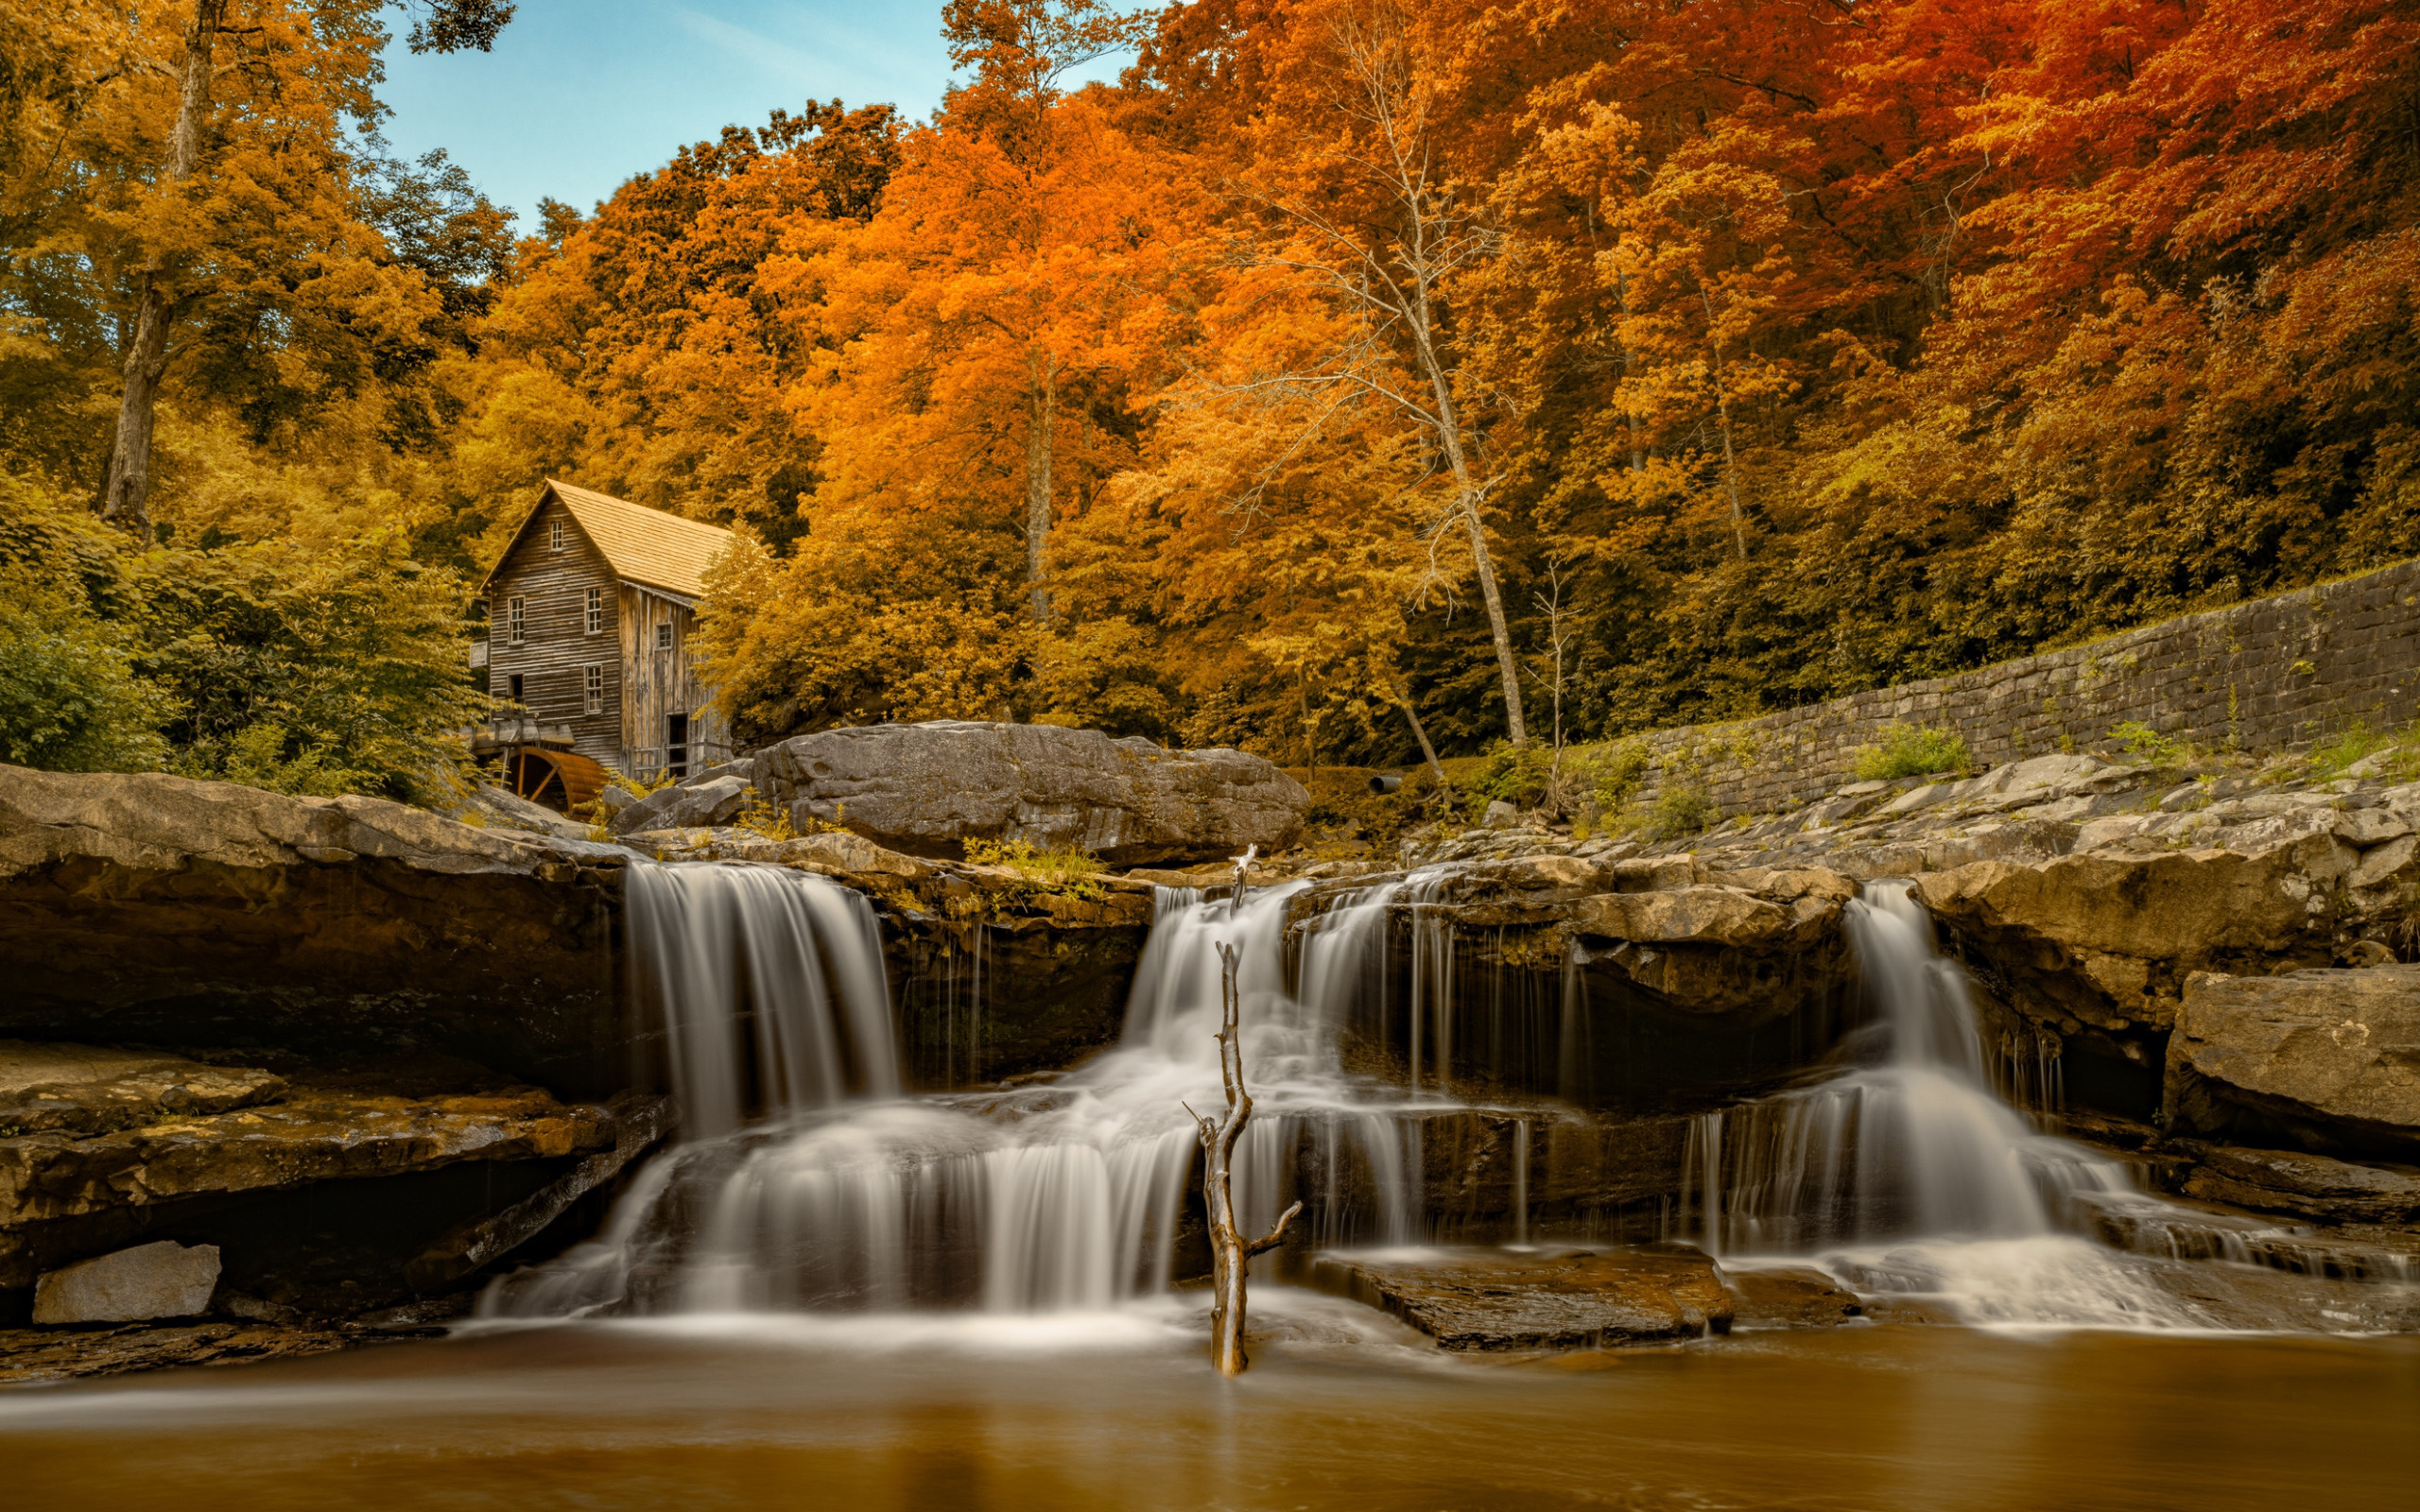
642 545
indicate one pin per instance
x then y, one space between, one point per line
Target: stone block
159 1280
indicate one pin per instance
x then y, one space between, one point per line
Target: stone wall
2262 674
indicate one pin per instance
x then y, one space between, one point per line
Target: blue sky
580 95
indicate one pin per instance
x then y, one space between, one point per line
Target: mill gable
590 611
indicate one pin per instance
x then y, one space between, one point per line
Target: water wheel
560 780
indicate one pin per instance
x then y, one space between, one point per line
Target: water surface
1121 1411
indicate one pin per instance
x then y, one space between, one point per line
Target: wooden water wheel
560 780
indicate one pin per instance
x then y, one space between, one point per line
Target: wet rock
153 909
2338 1048
927 789
162 1280
2313 1186
51 1182
1790 1296
697 804
41 1356
1569 1299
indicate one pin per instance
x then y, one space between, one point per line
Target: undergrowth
1912 750
1065 872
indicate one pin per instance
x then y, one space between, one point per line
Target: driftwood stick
1229 1251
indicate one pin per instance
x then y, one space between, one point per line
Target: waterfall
762 967
830 1188
1906 1172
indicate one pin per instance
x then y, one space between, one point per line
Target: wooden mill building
590 615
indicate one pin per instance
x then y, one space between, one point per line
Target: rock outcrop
928 789
153 909
1493 1300
2332 1055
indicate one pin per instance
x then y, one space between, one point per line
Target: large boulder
2332 1056
700 804
928 789
159 1280
154 909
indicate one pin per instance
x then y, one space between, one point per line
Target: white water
1061 1197
806 1180
1908 1173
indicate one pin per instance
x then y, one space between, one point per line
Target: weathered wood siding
658 681
556 648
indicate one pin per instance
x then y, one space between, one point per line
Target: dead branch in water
1229 1251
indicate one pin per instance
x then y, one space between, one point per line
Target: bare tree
1560 635
1229 1251
1392 269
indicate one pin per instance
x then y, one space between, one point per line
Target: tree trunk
1042 398
126 498
1723 411
1420 733
1231 1252
1467 495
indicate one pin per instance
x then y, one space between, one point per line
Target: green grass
2360 741
1912 750
1068 871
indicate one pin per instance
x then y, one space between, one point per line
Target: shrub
1067 871
69 697
1912 750
1614 773
1680 809
2146 743
1518 775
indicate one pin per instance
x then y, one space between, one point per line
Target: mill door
676 744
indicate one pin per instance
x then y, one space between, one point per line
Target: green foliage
337 668
2360 741
1682 808
1911 750
1516 775
69 697
1068 873
2148 745
1614 773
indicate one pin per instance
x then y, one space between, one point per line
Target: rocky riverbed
343 1043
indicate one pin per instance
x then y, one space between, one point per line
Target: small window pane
596 611
555 534
663 637
592 686
517 619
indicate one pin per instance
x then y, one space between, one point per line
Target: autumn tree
241 177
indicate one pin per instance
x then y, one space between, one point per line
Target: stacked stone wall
2267 674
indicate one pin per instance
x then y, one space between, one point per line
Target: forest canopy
1517 361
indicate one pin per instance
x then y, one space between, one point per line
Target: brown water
1337 1413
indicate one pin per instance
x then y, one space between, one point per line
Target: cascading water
1067 1196
1906 1172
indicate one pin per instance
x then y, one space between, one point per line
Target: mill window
554 535
516 619
592 686
596 611
663 637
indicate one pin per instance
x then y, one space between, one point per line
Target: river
1121 1411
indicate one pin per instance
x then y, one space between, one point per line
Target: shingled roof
642 545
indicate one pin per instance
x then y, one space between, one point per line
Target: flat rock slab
1497 1300
40 1356
91 1089
1795 1296
2308 1185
